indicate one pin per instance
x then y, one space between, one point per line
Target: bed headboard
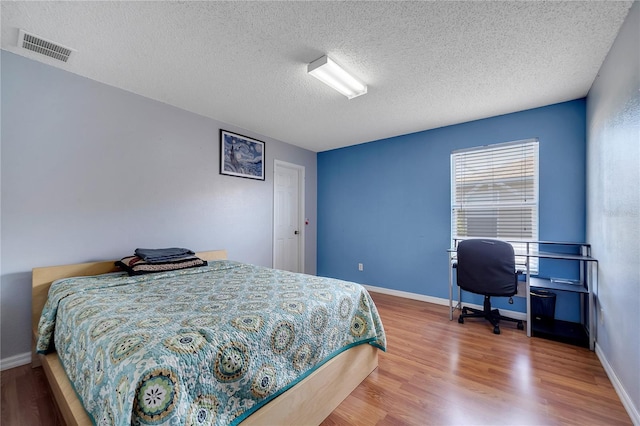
43 277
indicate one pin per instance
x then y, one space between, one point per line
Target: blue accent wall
386 204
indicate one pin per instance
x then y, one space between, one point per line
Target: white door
288 217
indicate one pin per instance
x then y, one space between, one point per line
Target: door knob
296 232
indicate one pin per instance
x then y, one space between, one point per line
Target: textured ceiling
427 64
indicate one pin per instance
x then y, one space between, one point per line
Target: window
494 193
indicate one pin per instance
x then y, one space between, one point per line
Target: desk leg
592 280
450 289
528 297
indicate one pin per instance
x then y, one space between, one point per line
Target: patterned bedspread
208 345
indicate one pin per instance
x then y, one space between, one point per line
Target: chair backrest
487 267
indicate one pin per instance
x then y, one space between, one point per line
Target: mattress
208 345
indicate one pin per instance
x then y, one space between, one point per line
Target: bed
306 400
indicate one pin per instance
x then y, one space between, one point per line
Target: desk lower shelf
546 283
561 331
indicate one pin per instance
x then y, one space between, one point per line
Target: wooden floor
435 372
26 398
439 372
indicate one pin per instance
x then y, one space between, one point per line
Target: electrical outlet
360 267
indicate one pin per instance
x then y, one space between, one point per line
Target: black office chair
487 267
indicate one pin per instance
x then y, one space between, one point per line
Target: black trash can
543 305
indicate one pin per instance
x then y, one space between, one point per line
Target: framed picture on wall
241 156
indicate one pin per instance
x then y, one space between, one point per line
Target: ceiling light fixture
331 74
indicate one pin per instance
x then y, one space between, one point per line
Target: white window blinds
494 191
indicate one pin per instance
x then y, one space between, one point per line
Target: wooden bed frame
308 402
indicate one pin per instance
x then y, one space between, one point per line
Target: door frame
301 212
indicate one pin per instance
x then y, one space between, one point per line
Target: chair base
491 315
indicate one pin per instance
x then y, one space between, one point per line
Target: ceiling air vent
44 47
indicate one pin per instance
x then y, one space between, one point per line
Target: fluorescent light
330 73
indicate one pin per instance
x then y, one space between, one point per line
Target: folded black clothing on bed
163 254
134 265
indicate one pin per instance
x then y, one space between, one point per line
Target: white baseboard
15 361
632 410
439 301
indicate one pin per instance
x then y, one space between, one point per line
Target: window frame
519 243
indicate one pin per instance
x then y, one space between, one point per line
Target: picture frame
241 156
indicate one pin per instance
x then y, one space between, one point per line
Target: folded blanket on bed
163 254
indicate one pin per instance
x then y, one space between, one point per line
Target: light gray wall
90 172
613 204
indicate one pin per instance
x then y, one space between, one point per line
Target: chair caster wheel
461 320
520 326
496 330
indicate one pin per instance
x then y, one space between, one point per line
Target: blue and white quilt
208 345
